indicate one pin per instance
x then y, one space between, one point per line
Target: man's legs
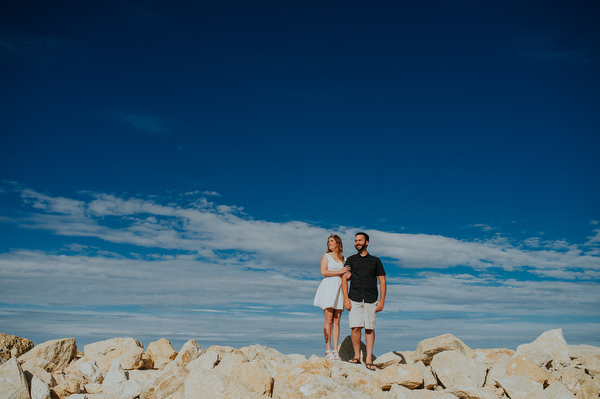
355 335
370 342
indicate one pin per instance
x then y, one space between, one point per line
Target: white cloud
145 123
203 227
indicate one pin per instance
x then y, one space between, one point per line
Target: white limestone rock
455 369
588 356
255 376
473 393
189 351
129 352
161 352
579 383
207 361
428 348
429 380
400 392
13 346
558 391
521 365
59 352
39 389
90 371
550 348
407 375
520 387
207 384
116 383
13 384
388 359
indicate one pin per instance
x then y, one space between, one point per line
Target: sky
173 169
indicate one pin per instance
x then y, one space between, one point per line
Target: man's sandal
370 366
354 360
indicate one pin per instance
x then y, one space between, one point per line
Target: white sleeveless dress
329 294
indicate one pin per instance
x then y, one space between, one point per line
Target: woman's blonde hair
340 248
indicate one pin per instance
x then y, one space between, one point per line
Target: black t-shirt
363 283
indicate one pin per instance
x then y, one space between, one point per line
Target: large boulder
13 384
39 389
255 376
168 382
128 351
206 361
429 380
389 359
489 357
579 383
189 351
289 380
117 384
407 375
59 353
558 391
587 356
549 349
520 387
521 365
13 346
161 352
428 348
455 369
207 384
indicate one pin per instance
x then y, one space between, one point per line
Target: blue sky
174 170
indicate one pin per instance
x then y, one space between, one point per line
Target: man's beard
360 247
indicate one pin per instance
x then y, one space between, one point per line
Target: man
361 301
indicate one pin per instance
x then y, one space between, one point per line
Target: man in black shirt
361 301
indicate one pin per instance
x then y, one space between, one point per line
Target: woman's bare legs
329 317
337 316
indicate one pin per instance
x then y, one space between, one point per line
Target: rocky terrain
440 367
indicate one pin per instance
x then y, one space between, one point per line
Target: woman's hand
344 270
347 275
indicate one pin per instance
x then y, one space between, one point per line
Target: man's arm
347 303
383 289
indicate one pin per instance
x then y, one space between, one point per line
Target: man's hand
347 304
347 275
379 307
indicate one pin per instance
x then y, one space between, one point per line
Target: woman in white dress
329 295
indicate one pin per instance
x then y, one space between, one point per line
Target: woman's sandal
354 360
370 366
329 355
335 355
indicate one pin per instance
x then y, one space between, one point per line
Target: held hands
347 304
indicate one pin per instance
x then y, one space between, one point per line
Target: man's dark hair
363 234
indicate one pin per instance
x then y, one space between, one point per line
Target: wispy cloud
33 50
552 48
145 123
197 226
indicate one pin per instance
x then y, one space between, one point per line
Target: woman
329 295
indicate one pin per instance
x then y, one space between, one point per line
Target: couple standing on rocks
363 271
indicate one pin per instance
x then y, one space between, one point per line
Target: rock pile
441 367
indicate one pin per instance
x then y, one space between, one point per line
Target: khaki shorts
362 315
